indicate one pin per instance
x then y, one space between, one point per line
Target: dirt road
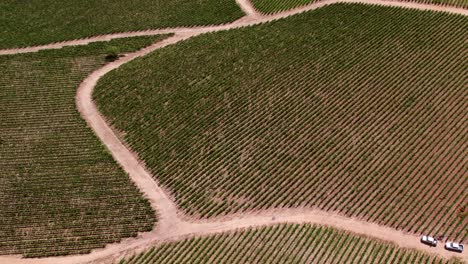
251 18
171 224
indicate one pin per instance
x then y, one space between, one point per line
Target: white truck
452 246
429 241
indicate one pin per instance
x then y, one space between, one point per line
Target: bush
112 53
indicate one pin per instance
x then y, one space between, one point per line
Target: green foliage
275 6
112 53
35 22
287 243
60 191
274 115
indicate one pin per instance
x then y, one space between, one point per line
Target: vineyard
60 191
275 6
331 109
51 21
288 243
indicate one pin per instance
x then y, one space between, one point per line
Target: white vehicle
454 247
429 241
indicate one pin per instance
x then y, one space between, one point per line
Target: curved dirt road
251 18
171 225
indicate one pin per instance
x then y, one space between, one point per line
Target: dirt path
182 229
248 8
171 225
252 18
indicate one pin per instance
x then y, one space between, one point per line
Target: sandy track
252 18
171 225
248 8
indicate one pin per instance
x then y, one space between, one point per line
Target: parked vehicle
429 241
452 246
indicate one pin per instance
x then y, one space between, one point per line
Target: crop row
289 243
275 6
60 191
359 114
51 21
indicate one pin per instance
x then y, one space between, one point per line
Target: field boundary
171 224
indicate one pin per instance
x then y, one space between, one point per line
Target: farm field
35 22
275 6
61 192
287 243
362 114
